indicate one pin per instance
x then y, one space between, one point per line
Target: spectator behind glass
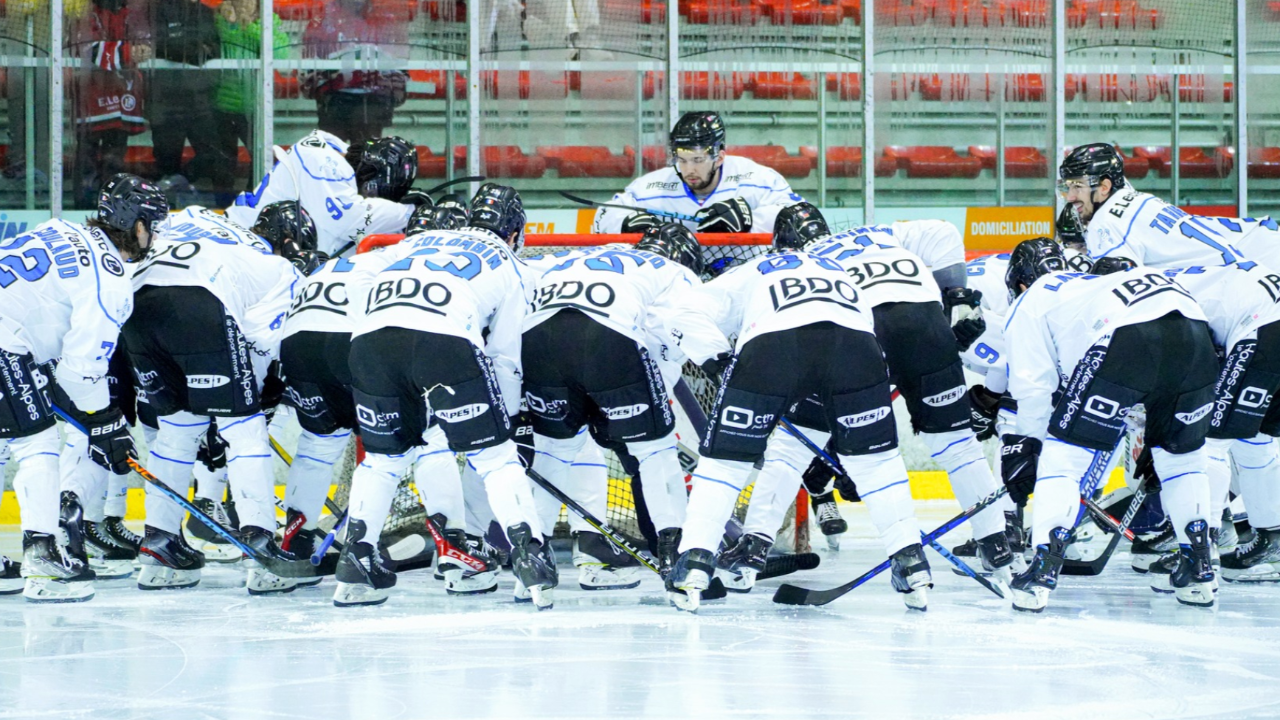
110 39
240 30
181 100
356 105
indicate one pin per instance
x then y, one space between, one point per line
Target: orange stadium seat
702 85
782 86
429 164
847 161
934 161
503 161
776 157
848 86
720 12
587 161
1019 162
445 10
804 12
1264 162
612 85
298 9
1193 162
287 86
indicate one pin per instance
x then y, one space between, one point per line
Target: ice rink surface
1107 647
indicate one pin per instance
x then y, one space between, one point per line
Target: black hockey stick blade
1091 567
779 565
456 181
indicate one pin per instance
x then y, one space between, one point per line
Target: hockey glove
967 331
110 443
213 451
984 406
1018 459
727 216
416 198
954 297
1144 471
639 221
272 388
714 368
817 477
522 433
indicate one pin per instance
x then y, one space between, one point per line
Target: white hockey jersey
315 172
1055 322
64 295
255 287
465 283
332 298
1144 228
937 242
763 188
883 274
1237 299
986 355
768 294
1256 239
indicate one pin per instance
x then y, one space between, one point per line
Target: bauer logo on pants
946 398
1195 416
460 414
862 419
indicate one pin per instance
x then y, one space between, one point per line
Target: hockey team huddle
498 380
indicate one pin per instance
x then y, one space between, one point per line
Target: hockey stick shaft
830 462
614 536
328 541
287 459
456 181
964 568
1106 519
656 213
794 595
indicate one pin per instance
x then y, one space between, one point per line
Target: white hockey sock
660 473
36 482
1218 472
553 460
1060 475
508 488
311 473
716 486
1184 488
479 514
250 470
1258 472
82 476
435 473
960 454
589 480
785 460
173 454
886 490
117 499
373 485
210 484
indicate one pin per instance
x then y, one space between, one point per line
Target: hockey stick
779 565
1098 564
656 213
794 595
715 591
1102 517
287 459
964 567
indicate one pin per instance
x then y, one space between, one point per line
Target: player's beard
705 185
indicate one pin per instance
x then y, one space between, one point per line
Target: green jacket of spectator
236 89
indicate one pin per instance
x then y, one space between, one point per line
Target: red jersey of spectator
109 87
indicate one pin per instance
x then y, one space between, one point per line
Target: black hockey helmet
1093 162
440 217
1070 228
1030 260
1108 265
498 209
674 242
287 227
387 168
797 226
126 199
702 130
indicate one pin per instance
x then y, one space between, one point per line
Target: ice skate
168 562
110 558
534 566
1149 548
114 528
690 575
214 547
668 549
997 557
71 523
301 543
1031 588
1256 561
602 565
11 580
362 574
1191 578
53 574
910 575
1018 541
259 580
1228 538
966 549
469 581
741 562
829 519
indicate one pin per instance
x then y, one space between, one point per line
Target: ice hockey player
802 331
586 361
924 366
937 242
212 299
1121 340
347 200
64 295
1240 302
723 193
443 321
451 213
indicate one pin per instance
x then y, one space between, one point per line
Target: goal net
408 514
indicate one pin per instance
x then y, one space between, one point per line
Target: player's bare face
699 169
1085 197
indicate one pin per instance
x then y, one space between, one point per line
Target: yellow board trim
925 485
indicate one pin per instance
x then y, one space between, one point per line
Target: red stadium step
587 161
1193 162
783 86
804 12
1019 162
843 162
932 161
503 161
1264 162
775 157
